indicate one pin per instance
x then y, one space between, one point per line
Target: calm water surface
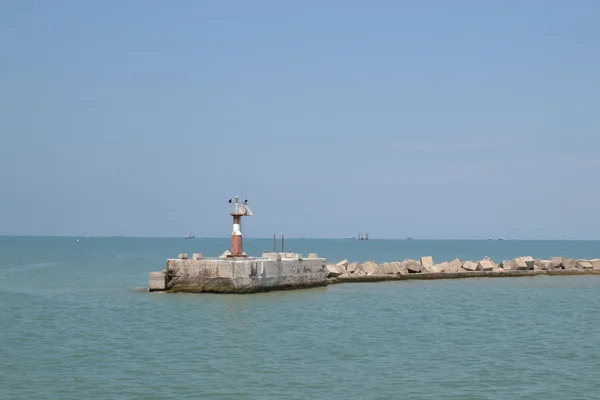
72 326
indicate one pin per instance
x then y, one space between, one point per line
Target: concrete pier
272 271
281 271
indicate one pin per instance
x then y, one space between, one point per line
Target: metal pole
274 243
282 244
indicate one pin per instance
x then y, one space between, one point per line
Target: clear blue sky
429 119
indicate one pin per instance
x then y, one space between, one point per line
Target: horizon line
297 238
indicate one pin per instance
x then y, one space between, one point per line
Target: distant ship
190 236
500 238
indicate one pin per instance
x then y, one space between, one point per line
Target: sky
423 119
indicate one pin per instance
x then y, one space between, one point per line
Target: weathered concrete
469 266
278 271
427 262
437 268
519 264
412 266
455 266
485 265
273 271
584 264
157 281
332 271
506 265
341 266
528 260
370 267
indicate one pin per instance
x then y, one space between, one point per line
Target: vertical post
274 243
236 237
282 244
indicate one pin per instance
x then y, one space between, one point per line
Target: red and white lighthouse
237 212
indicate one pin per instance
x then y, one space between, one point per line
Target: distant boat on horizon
190 236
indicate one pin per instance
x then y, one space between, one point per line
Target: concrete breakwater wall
425 268
226 274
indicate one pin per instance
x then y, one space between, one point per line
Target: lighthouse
237 212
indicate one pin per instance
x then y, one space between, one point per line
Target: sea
73 325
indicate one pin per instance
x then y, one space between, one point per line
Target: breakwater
425 268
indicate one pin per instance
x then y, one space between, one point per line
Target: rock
359 272
485 265
182 256
469 266
412 266
427 262
370 268
352 267
506 265
332 271
584 264
342 266
197 256
528 261
439 268
519 264
454 266
595 263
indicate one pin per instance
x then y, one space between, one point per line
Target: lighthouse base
272 271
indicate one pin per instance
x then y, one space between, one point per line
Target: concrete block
342 266
197 256
506 265
528 261
412 266
383 269
225 254
351 268
519 264
438 268
557 262
595 263
584 264
455 266
157 281
469 266
567 263
485 265
370 267
427 262
332 271
182 256
400 268
543 265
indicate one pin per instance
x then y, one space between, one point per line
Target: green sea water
72 326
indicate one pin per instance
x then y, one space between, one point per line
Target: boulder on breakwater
425 268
